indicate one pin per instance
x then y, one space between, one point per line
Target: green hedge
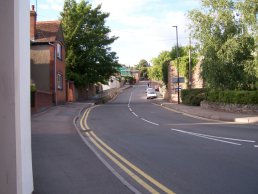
232 96
193 96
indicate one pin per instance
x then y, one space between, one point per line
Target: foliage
181 52
142 66
232 96
165 66
142 63
155 72
226 43
33 87
193 96
89 58
129 79
183 61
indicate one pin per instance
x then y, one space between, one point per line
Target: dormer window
59 51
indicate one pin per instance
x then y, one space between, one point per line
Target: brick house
47 62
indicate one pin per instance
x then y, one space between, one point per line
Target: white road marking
227 138
205 136
256 146
191 124
130 99
135 114
130 109
149 121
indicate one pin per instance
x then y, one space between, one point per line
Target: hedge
232 96
193 96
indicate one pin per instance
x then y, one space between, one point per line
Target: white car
151 93
148 88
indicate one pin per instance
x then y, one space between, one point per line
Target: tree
142 63
181 52
143 66
165 66
89 58
226 43
155 72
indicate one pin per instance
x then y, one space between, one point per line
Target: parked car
151 93
148 88
157 88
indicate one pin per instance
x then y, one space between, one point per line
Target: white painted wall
114 84
22 30
15 134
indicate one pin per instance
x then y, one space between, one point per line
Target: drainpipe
54 70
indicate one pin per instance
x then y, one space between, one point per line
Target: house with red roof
47 62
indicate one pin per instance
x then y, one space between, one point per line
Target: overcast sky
144 27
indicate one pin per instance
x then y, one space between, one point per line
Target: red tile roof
46 31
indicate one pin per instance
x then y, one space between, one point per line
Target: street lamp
178 100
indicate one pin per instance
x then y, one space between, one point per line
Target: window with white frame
59 81
59 51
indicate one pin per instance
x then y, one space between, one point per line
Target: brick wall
41 100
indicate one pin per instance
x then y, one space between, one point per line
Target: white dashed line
135 114
256 146
130 109
205 136
149 122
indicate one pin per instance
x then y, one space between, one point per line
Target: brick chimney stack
33 19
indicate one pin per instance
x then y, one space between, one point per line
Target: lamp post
178 99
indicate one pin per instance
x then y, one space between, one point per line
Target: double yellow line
120 160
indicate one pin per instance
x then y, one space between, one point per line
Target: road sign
177 88
175 80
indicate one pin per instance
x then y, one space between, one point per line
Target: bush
33 87
232 96
193 96
130 79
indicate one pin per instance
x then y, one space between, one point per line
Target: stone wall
234 108
197 81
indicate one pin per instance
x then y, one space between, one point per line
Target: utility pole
178 99
189 71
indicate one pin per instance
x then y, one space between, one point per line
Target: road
156 150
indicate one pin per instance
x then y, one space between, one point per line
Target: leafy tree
165 73
89 58
184 60
142 63
155 72
143 66
181 52
226 43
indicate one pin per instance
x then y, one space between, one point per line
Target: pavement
62 163
198 111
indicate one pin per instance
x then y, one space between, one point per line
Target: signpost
175 80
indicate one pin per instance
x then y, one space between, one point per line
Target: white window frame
59 51
59 81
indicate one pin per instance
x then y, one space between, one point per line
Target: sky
144 27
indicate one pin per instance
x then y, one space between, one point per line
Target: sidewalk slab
209 114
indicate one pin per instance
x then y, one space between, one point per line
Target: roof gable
47 31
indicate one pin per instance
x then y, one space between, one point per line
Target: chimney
33 19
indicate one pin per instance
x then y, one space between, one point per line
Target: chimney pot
33 16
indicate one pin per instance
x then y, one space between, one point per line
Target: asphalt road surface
156 150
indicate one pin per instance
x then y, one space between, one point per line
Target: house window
59 81
59 51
